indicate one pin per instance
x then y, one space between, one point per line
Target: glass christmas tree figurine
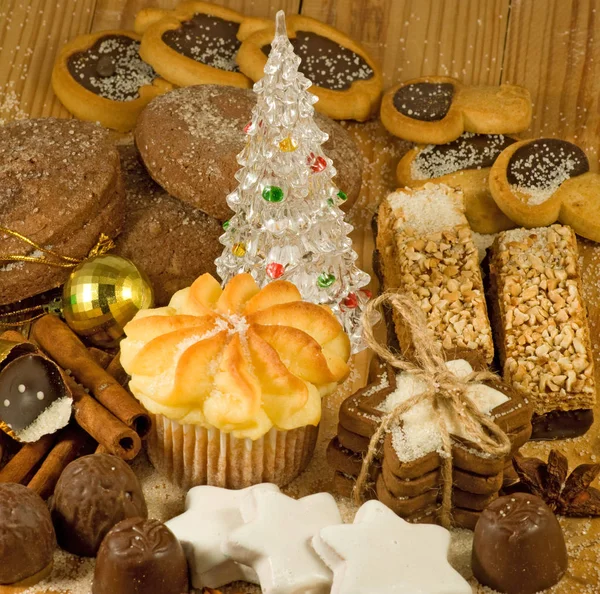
287 222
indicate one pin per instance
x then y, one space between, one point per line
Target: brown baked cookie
172 242
60 186
101 77
189 140
465 164
345 78
438 109
196 43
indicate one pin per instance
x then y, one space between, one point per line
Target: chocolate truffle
140 557
27 539
92 495
518 547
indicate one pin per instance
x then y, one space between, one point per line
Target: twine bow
103 245
444 391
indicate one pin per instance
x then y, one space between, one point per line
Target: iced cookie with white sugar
426 250
541 326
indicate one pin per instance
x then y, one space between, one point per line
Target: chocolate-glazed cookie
326 63
189 140
345 78
438 109
140 557
196 43
27 539
518 546
92 495
464 164
101 77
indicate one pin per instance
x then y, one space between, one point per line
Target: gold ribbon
445 392
101 247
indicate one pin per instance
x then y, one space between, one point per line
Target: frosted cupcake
234 379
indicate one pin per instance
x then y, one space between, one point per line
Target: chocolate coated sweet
207 39
562 424
469 151
140 557
27 539
424 101
29 384
326 63
92 495
112 68
518 546
544 162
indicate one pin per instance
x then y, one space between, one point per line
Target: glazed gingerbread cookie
438 109
345 78
196 43
465 164
102 78
538 182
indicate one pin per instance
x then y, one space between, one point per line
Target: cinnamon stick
72 443
101 357
62 345
116 437
26 459
116 370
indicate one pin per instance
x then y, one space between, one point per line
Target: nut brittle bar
426 250
541 327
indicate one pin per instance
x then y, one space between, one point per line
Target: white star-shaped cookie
276 541
381 553
211 514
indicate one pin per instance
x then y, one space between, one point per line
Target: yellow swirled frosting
241 359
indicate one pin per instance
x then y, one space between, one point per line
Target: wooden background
550 46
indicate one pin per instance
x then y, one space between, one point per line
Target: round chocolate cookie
27 539
140 557
92 495
171 241
189 140
518 546
60 186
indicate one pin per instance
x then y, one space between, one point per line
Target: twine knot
446 393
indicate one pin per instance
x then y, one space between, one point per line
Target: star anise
566 494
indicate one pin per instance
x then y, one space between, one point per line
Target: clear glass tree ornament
287 222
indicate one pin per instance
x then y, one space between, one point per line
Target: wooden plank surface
553 49
410 38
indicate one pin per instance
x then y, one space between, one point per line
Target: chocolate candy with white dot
30 384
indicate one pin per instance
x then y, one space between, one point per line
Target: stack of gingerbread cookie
407 476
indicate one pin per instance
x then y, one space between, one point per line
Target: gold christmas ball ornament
101 295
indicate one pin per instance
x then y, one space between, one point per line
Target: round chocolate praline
140 557
518 546
27 539
92 495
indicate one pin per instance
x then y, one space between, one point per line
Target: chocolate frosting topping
112 68
518 546
92 495
545 163
27 539
207 39
424 101
28 386
140 557
469 151
326 63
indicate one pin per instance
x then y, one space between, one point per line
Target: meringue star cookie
234 378
211 515
276 541
381 553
